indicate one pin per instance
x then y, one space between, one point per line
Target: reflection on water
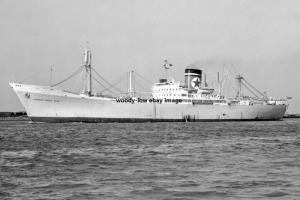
215 160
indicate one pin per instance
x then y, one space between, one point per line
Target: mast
51 70
88 71
239 79
130 89
219 85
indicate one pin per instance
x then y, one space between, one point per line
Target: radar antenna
167 67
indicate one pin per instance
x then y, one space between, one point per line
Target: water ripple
223 160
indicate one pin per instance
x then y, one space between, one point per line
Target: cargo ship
170 101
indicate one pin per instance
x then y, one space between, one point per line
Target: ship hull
45 104
132 120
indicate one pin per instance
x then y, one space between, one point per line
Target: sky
259 39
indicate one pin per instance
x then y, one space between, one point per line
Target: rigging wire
115 83
134 82
98 82
127 81
112 92
143 78
230 81
254 88
107 88
69 77
250 90
140 85
77 84
107 81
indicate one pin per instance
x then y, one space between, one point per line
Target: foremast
87 85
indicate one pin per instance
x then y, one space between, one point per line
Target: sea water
205 160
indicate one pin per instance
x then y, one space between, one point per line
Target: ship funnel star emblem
196 82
